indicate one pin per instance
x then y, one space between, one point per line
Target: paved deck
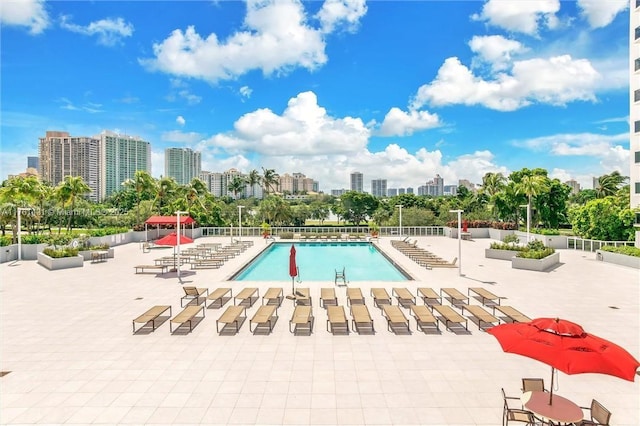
66 338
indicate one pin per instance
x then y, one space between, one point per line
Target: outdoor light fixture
459 239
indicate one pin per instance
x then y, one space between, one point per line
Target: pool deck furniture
394 316
328 297
380 297
151 316
423 317
99 256
449 316
455 296
480 314
273 296
560 411
219 295
232 315
206 263
361 318
187 315
140 269
301 319
247 295
192 293
404 296
265 315
429 296
303 296
354 296
337 319
511 313
485 295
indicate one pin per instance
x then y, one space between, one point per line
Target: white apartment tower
379 187
357 181
182 164
634 112
121 156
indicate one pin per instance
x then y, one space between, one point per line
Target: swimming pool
317 261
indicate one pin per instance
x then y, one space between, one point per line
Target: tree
253 179
493 183
142 182
356 207
609 184
552 204
68 191
269 180
274 210
237 186
167 187
607 219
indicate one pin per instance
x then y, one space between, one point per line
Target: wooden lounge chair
455 296
512 313
233 315
354 296
361 317
141 268
394 316
193 293
328 297
248 295
423 317
187 315
265 315
273 296
480 314
214 263
151 316
380 297
220 295
429 296
448 315
485 295
404 296
336 318
303 296
302 318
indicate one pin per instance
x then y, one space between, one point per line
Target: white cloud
600 13
401 123
245 92
109 31
495 50
25 13
180 120
557 81
580 144
520 16
157 163
181 137
347 13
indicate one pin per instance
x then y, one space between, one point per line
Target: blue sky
396 90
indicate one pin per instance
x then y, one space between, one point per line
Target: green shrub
511 239
547 231
63 252
506 246
99 247
286 235
101 232
628 250
536 254
5 241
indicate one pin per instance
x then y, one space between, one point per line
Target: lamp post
400 220
459 239
19 213
240 223
528 207
178 213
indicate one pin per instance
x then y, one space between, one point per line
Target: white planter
86 254
536 264
499 254
61 262
618 259
499 234
9 253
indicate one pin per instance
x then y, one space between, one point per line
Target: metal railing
585 244
256 231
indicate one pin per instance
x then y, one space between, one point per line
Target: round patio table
561 410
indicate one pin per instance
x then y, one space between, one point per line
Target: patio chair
337 320
532 384
404 296
265 315
429 296
193 293
423 316
510 414
247 295
512 313
485 296
394 316
188 315
455 296
448 315
302 318
480 314
328 297
219 295
235 314
598 415
273 296
380 297
354 296
361 317
151 316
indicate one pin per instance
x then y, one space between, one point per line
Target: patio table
560 411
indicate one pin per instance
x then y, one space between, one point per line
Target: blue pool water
319 261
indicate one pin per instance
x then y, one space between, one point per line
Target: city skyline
490 90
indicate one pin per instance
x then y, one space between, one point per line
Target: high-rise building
467 184
450 190
338 192
409 190
120 157
402 191
379 187
392 192
33 163
182 164
435 187
574 185
61 155
357 181
634 115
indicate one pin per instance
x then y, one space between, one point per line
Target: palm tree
166 189
269 180
142 182
68 191
252 180
492 183
531 186
609 184
237 186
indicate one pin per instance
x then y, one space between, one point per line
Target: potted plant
374 230
266 230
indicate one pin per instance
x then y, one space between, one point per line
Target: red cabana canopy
169 220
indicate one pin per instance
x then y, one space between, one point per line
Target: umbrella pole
293 286
551 388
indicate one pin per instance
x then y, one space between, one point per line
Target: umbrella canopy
172 240
293 268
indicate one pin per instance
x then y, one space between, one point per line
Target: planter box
499 254
499 234
618 259
86 254
536 264
9 253
61 262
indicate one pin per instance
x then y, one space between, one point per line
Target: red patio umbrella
565 346
293 268
172 240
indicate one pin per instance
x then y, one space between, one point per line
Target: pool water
320 261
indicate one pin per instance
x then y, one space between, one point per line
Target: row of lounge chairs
421 256
342 237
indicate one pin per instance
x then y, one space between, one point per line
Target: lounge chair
448 315
303 296
187 315
394 316
151 316
512 313
157 268
328 297
265 315
233 315
354 296
485 295
423 317
273 296
380 297
361 318
248 294
336 318
302 318
193 293
480 314
455 296
220 295
429 296
404 296
214 263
